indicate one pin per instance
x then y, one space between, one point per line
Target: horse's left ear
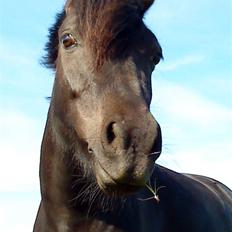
146 4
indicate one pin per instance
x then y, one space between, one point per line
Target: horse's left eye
155 59
68 41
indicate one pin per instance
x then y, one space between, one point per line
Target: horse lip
108 175
119 187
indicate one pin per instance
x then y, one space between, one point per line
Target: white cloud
213 160
186 105
16 53
20 140
17 212
20 137
15 58
178 63
197 132
172 13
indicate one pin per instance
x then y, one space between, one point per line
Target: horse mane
51 47
106 27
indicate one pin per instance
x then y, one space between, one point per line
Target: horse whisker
95 194
154 153
146 199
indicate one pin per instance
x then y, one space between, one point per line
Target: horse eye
155 59
68 41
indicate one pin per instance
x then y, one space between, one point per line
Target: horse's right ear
146 4
68 5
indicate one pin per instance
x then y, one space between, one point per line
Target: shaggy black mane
51 47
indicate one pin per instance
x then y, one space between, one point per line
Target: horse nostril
117 131
110 135
90 150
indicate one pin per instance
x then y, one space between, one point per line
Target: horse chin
118 190
113 187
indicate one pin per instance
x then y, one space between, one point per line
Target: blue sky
192 94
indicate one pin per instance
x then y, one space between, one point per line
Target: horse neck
57 172
55 175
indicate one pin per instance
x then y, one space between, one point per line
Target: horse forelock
106 27
110 28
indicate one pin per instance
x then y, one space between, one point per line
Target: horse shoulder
190 203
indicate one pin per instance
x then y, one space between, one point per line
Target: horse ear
146 4
68 5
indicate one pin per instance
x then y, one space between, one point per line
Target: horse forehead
100 4
101 14
109 30
106 27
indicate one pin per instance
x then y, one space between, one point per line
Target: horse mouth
110 186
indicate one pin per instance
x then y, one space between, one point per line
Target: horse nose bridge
124 85
130 129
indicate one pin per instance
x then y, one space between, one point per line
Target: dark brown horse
101 142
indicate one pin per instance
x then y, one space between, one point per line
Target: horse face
104 99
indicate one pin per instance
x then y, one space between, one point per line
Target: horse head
102 92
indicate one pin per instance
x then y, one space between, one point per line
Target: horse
98 170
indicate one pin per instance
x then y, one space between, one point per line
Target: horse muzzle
128 149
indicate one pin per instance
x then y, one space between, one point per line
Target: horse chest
94 226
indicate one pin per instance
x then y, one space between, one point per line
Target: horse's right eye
68 41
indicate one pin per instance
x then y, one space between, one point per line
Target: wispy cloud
194 128
18 211
15 53
213 160
20 137
180 62
19 147
186 105
15 58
